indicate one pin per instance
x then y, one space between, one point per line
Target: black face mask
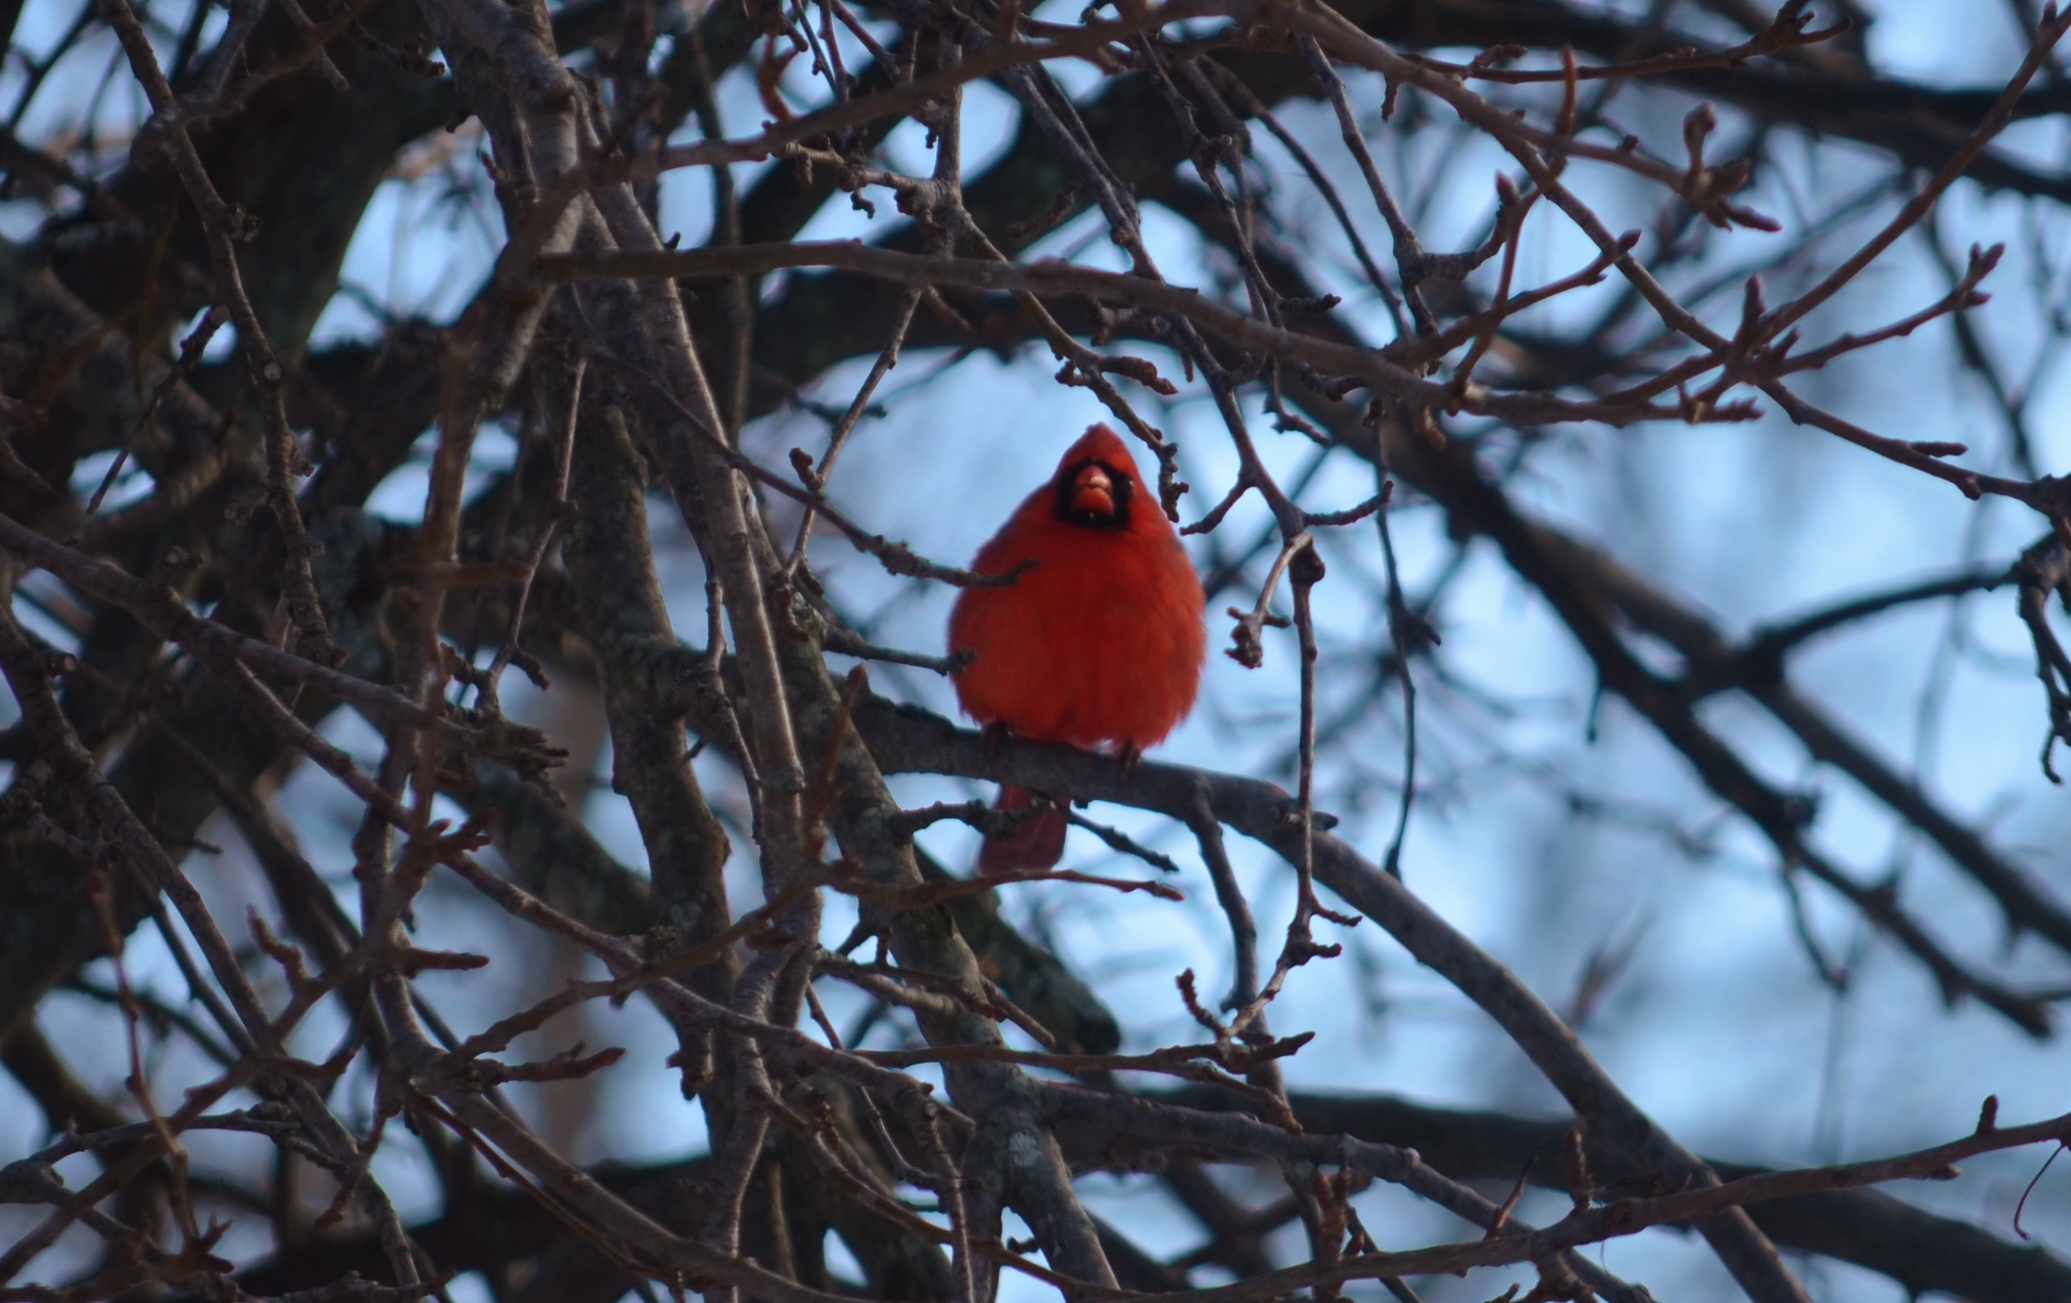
1122 487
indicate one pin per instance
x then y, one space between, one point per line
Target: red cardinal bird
1100 642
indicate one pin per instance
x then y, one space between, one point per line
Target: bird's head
1096 481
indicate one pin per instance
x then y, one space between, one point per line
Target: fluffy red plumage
1099 643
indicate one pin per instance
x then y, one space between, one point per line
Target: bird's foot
995 735
1131 757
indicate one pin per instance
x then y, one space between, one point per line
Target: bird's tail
1036 842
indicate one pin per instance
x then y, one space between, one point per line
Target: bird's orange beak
1093 493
